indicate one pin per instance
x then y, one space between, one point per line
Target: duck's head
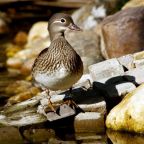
59 23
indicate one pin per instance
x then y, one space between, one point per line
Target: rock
89 122
137 74
139 59
120 89
18 87
38 31
10 135
89 15
105 70
133 3
25 95
39 135
122 33
127 61
124 138
20 38
20 91
128 114
14 63
12 49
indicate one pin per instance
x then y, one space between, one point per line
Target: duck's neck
55 35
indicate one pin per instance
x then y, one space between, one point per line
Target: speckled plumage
57 67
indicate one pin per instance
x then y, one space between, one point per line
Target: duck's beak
74 27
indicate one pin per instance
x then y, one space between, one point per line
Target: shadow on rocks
112 98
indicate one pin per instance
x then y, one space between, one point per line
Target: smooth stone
106 69
138 55
137 74
39 135
89 122
22 118
37 31
127 61
128 114
20 38
139 63
10 135
14 63
121 33
89 15
133 3
139 59
29 93
24 105
120 89
17 87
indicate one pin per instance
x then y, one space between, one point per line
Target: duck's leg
49 101
69 100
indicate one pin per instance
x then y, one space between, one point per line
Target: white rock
120 89
137 74
38 30
106 69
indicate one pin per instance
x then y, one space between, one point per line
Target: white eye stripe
57 21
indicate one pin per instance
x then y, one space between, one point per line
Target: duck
58 67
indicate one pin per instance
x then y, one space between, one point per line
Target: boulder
128 114
122 33
133 3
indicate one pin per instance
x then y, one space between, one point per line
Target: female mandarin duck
58 67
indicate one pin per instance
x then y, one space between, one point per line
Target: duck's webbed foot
69 100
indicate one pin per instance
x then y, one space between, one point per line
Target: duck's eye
63 20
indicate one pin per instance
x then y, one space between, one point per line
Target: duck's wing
38 58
